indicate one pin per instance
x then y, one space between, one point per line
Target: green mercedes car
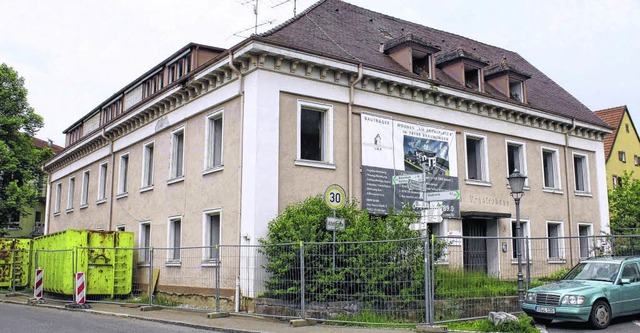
596 290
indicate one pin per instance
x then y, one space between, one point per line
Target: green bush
523 325
369 264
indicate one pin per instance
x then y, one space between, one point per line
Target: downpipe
350 127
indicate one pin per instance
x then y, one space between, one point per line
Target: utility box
15 262
106 258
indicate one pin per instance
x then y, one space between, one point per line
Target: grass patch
523 325
158 299
371 319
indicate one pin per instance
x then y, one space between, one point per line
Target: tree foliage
624 206
378 259
20 160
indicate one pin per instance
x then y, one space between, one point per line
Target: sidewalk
231 324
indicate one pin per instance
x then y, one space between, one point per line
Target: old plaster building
620 145
211 144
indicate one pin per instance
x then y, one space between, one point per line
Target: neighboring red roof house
41 144
623 140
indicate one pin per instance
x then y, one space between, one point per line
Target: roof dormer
508 80
413 54
464 67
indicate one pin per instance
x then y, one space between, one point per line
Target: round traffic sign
335 197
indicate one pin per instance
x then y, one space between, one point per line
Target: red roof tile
41 144
344 31
613 117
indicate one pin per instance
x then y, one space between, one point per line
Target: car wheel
543 321
600 314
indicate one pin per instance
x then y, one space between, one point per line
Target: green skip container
15 256
106 258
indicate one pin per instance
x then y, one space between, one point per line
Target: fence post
73 274
427 284
13 271
527 245
218 250
432 280
150 255
302 307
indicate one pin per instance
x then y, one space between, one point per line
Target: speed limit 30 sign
335 197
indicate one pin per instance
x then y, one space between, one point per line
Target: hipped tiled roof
613 117
41 144
347 32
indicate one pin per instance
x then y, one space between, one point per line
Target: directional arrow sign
417 226
442 196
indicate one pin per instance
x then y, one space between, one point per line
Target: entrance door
475 249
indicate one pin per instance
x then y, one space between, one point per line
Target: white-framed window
516 158
174 236
622 156
147 165
585 231
56 206
84 195
516 90
476 157
550 168
123 174
525 233
120 227
211 231
214 130
315 133
472 78
616 180
70 195
555 241
177 154
102 182
581 172
144 241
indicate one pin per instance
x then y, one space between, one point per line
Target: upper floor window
70 198
214 140
152 85
84 196
516 158
516 90
581 172
123 178
636 160
315 132
476 156
622 156
616 180
472 78
56 206
550 168
179 68
177 153
626 126
147 165
102 182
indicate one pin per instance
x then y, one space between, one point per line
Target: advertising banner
394 154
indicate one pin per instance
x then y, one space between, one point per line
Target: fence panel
365 282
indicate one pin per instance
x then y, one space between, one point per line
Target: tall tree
624 206
20 160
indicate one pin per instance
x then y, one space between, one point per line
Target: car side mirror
625 281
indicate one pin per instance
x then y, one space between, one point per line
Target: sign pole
333 245
334 198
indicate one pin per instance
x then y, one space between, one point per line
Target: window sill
583 194
144 264
524 262
552 190
175 180
477 182
173 263
210 263
69 210
557 261
101 201
315 164
213 170
56 214
122 195
83 206
146 188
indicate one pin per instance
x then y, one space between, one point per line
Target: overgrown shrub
377 258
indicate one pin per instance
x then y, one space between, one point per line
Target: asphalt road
630 324
29 319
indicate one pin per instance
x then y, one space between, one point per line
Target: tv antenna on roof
286 1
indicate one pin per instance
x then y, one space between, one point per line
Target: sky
74 54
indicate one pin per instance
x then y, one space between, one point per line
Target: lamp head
516 182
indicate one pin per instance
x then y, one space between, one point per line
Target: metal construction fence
406 281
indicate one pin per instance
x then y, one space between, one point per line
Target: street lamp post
516 182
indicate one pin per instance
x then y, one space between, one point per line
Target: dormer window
413 54
508 80
464 67
515 90
179 68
